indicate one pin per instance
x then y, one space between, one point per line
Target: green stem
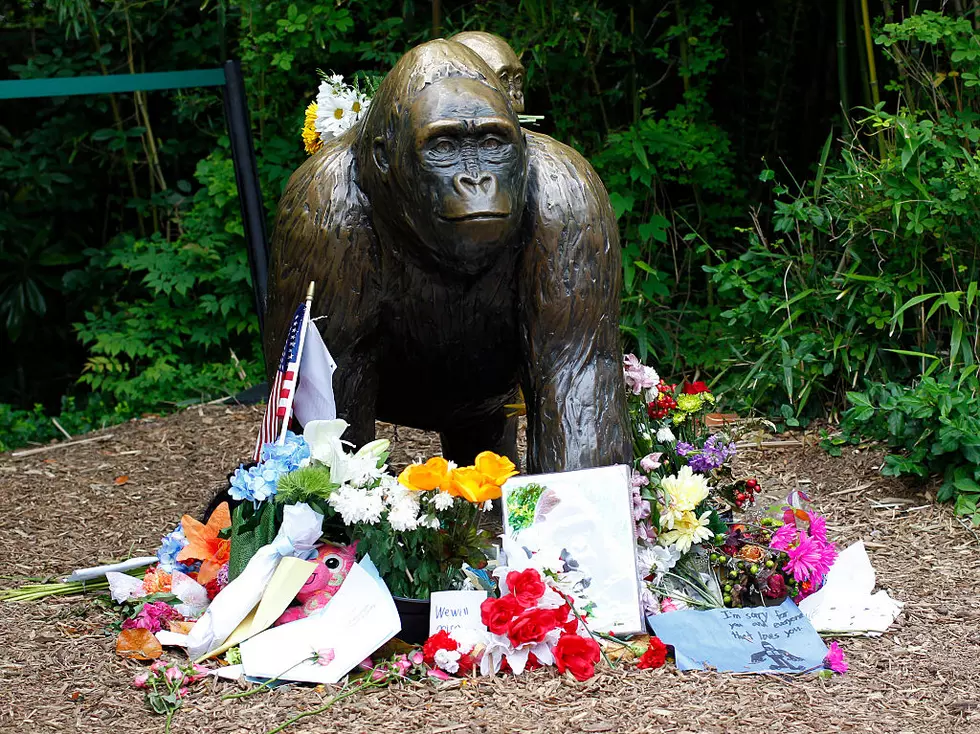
267 685
313 712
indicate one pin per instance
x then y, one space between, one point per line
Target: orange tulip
204 545
425 477
472 485
498 468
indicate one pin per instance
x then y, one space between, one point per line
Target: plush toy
333 563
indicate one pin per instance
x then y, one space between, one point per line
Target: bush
932 428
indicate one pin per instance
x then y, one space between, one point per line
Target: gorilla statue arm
569 286
323 232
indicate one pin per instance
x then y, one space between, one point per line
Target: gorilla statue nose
469 184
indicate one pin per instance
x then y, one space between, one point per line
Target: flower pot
414 614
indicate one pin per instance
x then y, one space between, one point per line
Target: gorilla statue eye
332 562
444 147
492 144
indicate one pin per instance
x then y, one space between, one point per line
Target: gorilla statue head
443 160
501 58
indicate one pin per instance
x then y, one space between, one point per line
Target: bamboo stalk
842 57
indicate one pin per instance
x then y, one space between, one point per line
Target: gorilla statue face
460 161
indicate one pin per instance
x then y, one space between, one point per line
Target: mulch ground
76 506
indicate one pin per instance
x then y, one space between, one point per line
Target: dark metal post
247 179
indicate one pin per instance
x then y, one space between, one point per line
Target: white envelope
360 618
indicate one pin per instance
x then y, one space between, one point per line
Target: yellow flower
684 491
425 477
498 468
311 138
688 530
472 485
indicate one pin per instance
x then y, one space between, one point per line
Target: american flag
279 408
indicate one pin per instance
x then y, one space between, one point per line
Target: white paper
87 574
297 537
123 587
454 610
314 399
845 603
586 516
359 619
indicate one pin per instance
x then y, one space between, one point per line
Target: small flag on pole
314 396
279 409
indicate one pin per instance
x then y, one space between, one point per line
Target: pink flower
325 656
638 480
173 674
141 680
416 657
668 605
182 692
402 665
439 674
818 527
157 666
783 538
638 377
366 664
650 462
835 659
810 559
379 674
200 672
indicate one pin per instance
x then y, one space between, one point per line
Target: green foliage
931 427
521 503
251 529
872 270
20 427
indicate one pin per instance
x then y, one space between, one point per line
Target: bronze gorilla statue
501 59
456 258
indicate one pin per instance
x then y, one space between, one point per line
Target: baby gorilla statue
458 258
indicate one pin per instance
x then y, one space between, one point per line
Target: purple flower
712 455
650 462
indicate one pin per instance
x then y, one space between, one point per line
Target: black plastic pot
414 614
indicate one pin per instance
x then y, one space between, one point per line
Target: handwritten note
748 640
451 610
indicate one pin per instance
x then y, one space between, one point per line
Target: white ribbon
297 537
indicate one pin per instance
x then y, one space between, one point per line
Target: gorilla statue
457 259
501 59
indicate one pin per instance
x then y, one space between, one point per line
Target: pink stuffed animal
333 563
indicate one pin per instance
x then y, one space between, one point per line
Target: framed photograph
587 516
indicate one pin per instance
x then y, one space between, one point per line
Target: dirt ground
75 506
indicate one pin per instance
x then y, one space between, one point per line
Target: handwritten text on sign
451 610
747 640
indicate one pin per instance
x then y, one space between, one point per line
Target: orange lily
203 543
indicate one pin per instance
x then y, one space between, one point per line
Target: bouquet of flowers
690 550
420 529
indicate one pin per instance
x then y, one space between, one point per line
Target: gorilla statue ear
381 155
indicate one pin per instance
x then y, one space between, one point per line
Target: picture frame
587 514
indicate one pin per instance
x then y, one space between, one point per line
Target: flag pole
299 361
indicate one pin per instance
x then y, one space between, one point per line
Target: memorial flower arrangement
690 549
336 108
420 529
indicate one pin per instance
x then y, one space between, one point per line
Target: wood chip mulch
74 506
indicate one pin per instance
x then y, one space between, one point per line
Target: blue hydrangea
293 452
170 546
258 483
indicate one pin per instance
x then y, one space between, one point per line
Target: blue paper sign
747 640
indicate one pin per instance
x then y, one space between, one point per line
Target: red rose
439 641
532 662
531 625
526 586
655 656
695 388
497 614
578 655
